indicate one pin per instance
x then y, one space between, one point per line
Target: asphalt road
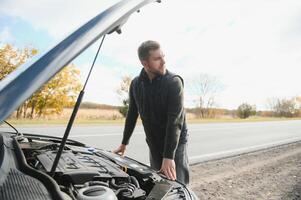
206 141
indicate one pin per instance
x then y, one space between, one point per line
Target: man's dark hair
146 47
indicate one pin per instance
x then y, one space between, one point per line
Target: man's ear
144 63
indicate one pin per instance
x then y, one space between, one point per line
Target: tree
284 107
206 88
123 93
246 110
298 101
11 58
60 91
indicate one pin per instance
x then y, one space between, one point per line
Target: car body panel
82 173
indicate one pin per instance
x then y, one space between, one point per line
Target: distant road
206 141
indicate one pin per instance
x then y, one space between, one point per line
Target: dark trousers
181 160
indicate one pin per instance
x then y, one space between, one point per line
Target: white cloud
57 17
252 46
246 44
5 35
102 85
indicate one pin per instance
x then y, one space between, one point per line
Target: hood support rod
73 115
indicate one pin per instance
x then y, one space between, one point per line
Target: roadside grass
113 117
121 121
84 116
232 120
64 121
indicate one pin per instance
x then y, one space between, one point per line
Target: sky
253 48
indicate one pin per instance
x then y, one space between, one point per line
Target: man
157 96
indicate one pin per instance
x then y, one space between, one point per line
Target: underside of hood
28 78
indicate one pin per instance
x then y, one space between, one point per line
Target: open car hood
28 78
27 161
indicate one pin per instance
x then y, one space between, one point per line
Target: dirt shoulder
274 173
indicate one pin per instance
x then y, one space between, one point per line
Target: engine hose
122 190
132 186
124 187
135 181
114 185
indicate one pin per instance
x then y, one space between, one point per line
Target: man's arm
175 117
130 122
131 117
174 125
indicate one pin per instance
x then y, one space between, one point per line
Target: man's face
155 63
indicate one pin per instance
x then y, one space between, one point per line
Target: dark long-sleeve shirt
160 105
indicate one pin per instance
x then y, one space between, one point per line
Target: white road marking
223 154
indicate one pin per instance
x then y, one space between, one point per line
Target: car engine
86 173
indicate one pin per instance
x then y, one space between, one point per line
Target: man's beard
160 72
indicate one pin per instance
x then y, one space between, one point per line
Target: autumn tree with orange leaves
59 92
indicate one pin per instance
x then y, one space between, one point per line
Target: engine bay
85 173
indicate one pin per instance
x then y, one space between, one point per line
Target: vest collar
143 76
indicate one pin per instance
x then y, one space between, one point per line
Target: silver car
44 167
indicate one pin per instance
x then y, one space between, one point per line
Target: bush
246 110
124 109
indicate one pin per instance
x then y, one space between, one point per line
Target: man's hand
120 150
168 168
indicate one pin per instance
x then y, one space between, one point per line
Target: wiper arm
19 136
52 139
17 132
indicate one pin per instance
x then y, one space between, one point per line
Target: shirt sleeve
175 117
131 117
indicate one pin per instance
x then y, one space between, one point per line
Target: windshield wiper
19 136
17 132
52 139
